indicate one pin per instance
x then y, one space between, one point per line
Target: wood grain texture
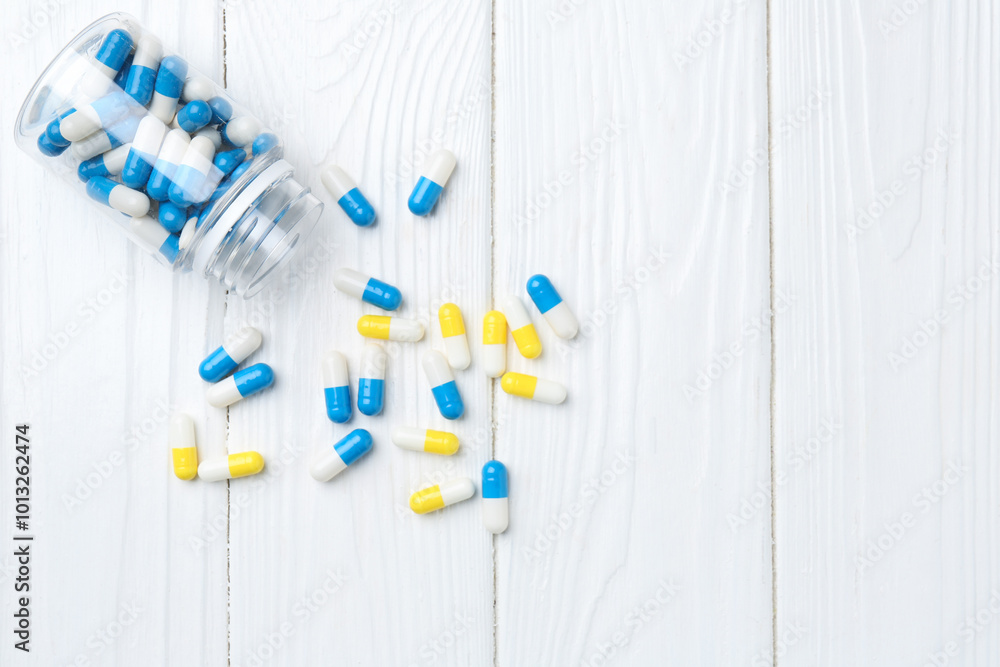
608 149
885 229
115 578
345 569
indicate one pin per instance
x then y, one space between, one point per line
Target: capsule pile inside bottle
153 141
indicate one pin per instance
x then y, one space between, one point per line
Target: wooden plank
101 344
344 568
885 227
613 141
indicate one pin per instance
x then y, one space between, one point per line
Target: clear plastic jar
218 197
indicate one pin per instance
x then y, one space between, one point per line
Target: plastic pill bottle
218 197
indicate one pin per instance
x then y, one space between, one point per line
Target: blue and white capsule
336 387
172 151
343 188
222 110
236 349
193 116
145 147
241 131
169 84
371 384
436 173
198 88
368 289
227 161
50 141
551 305
104 140
149 234
264 142
331 462
99 114
172 217
495 505
196 176
108 60
442 381
212 135
142 74
119 197
106 164
240 385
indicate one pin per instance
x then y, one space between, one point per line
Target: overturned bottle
187 172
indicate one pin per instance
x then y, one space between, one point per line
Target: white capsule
241 131
198 88
494 344
240 345
183 448
148 232
130 202
212 135
373 362
456 343
335 370
187 234
114 159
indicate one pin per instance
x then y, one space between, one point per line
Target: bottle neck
254 229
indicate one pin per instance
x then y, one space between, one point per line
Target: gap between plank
770 306
493 275
225 307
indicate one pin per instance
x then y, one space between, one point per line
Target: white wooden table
778 224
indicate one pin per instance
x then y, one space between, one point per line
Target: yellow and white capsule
441 495
528 386
494 343
425 440
183 447
521 327
231 467
390 328
456 343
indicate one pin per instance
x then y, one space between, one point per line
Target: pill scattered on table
456 343
240 385
434 176
442 381
332 461
183 448
368 289
495 506
336 387
521 328
385 327
425 440
233 466
494 343
371 383
531 387
442 495
556 311
227 357
343 188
